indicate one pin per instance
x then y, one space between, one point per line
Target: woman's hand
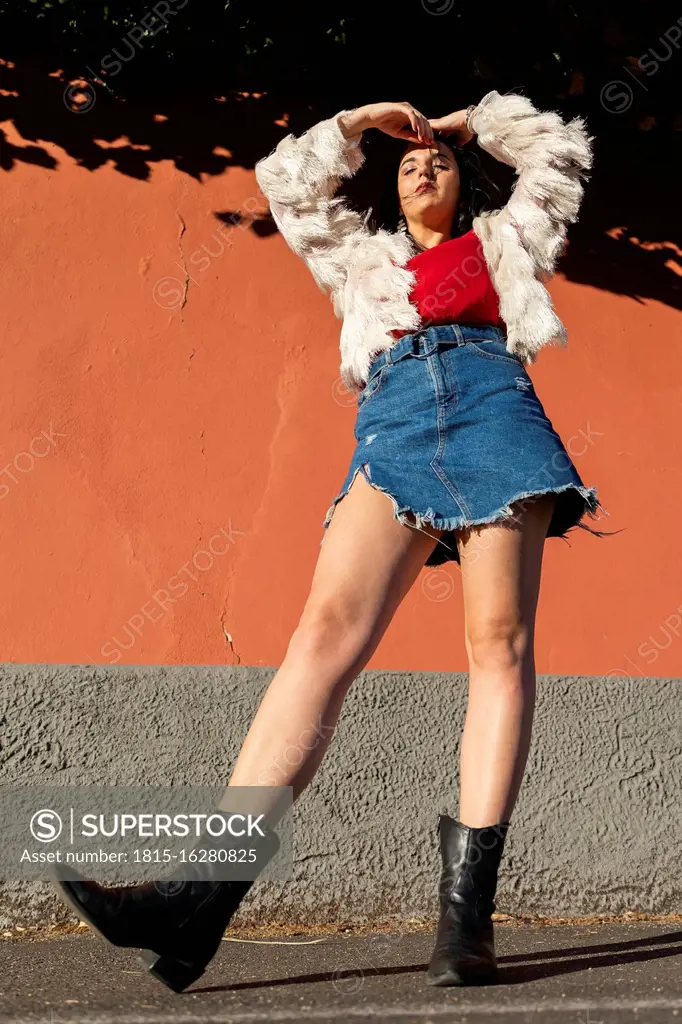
453 124
400 120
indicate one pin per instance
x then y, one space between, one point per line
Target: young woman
455 460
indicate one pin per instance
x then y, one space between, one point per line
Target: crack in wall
183 264
230 643
288 381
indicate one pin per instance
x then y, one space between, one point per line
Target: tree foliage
570 52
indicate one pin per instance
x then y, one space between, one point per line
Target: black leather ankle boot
177 923
464 953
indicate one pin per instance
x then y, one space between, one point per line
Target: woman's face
429 185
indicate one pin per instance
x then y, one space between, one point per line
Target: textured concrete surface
598 975
596 830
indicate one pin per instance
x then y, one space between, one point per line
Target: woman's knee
329 631
498 643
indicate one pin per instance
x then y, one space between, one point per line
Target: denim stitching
362 401
474 347
441 444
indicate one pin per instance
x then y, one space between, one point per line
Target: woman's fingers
419 130
414 121
426 130
420 126
453 124
405 133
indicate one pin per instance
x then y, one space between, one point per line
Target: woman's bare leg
367 564
501 568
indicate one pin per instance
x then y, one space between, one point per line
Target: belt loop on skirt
457 331
422 342
429 344
433 336
407 343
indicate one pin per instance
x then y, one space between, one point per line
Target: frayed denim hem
448 552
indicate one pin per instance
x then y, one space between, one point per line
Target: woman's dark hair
476 191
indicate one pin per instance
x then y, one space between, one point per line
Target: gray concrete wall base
596 829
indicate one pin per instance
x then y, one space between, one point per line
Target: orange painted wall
168 424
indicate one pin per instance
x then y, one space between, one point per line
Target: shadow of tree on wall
628 240
201 136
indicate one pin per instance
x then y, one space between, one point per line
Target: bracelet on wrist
467 119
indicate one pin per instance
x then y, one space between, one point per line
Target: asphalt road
592 974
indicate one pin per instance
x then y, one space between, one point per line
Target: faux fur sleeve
551 158
299 179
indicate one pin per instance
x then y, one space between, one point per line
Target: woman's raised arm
299 179
551 158
311 166
302 175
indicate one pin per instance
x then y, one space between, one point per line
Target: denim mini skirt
450 427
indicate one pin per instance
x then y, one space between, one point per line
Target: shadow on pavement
514 970
609 954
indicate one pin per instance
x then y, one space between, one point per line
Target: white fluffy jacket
364 270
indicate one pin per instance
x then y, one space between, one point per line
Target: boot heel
176 974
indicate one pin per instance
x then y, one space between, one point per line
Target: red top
453 284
